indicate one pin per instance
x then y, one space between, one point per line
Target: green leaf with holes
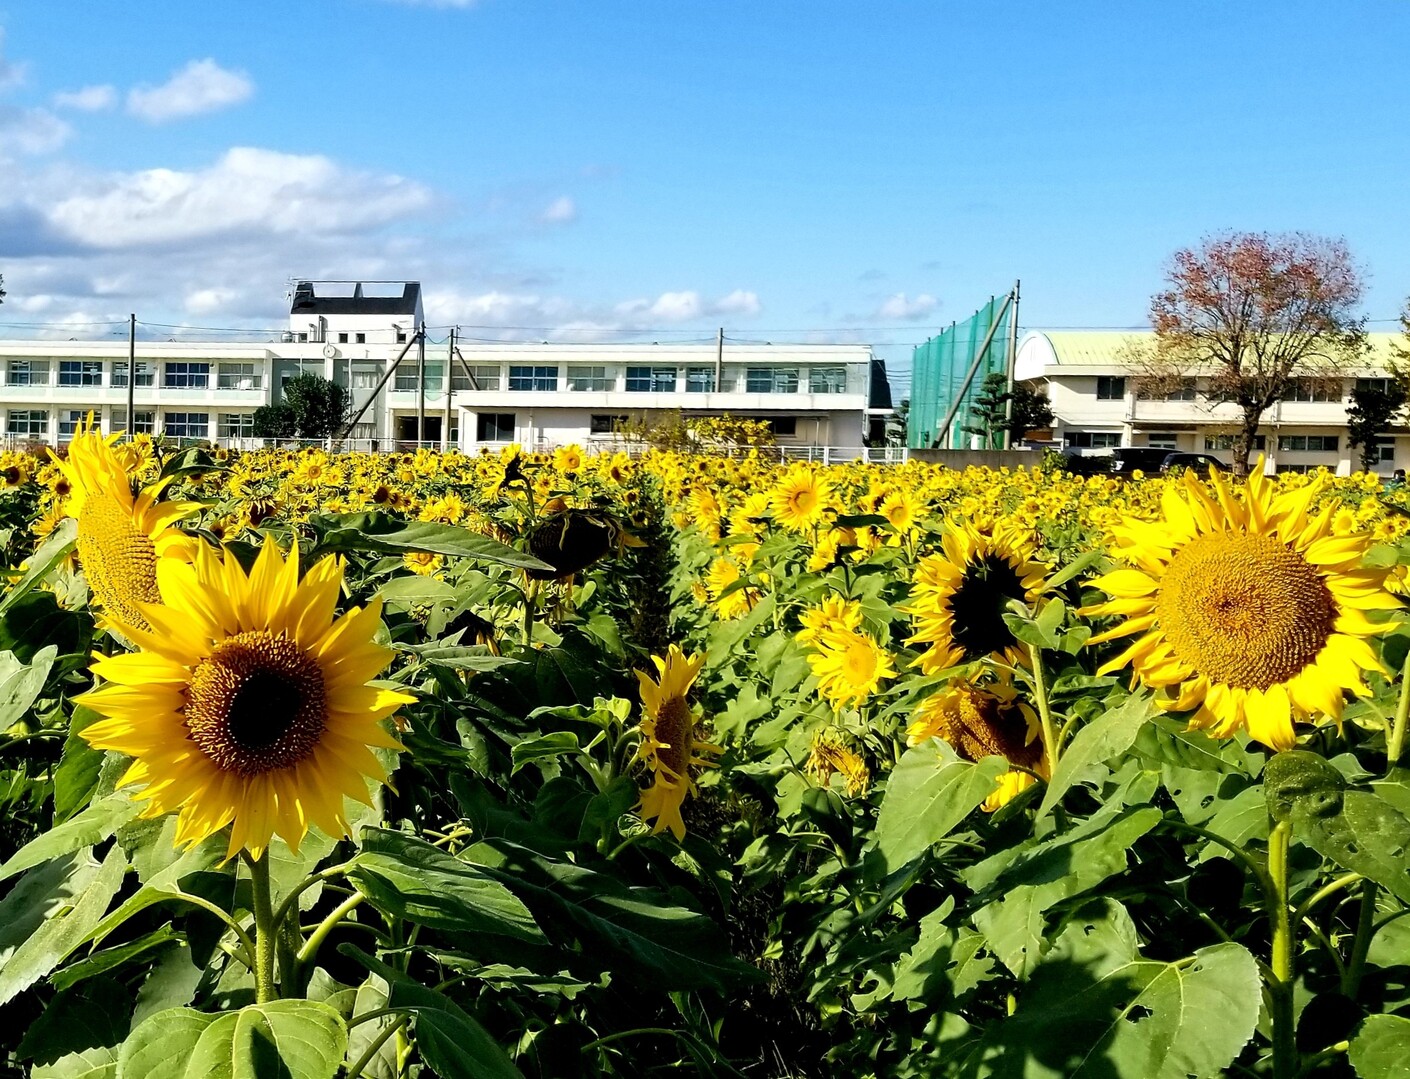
291 1039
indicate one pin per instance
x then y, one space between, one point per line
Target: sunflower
668 743
902 510
422 563
981 721
849 665
830 754
799 498
568 458
835 613
120 539
248 702
960 596
722 573
1251 612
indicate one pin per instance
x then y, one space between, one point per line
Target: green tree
1030 411
320 406
275 421
990 410
1370 415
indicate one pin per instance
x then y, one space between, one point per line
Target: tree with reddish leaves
1247 313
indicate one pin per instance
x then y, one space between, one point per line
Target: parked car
1200 462
1126 460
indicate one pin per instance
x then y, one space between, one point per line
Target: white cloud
87 99
677 306
201 86
561 211
11 74
900 306
30 131
739 302
208 301
248 191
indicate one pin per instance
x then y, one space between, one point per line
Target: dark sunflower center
979 603
983 726
257 703
675 726
1244 610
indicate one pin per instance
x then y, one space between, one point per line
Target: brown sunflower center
979 603
257 703
675 727
1244 610
980 726
119 559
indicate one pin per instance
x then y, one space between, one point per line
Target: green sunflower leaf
929 794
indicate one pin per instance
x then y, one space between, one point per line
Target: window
1312 389
401 335
1309 443
699 380
364 378
605 425
1385 454
1226 442
589 378
364 431
29 372
303 337
1111 388
405 378
186 376
783 426
1301 469
80 372
827 380
237 376
1093 440
145 375
1162 440
483 376
1185 392
342 338
28 421
360 338
533 378
771 380
146 421
69 420
651 379
236 425
494 427
1382 385
186 425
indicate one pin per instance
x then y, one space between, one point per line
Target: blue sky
571 168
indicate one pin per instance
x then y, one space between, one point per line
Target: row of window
175 374
1327 390
1286 443
35 422
499 426
639 379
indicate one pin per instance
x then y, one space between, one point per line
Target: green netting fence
938 370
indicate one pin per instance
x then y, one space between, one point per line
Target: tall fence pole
944 428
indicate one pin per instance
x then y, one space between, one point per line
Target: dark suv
1200 462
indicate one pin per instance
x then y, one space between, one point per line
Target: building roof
1041 349
307 301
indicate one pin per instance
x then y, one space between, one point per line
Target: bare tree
1249 313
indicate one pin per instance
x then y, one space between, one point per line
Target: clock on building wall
329 351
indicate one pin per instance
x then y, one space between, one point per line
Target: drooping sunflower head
849 665
829 754
120 538
799 499
834 613
247 704
960 596
984 720
669 746
1251 612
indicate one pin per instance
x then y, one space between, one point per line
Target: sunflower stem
266 930
1361 943
1045 712
1285 1056
309 952
1396 742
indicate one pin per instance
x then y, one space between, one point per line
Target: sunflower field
384 766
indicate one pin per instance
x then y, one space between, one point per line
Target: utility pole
1008 368
719 361
450 387
420 385
131 375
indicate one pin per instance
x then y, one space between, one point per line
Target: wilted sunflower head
120 538
669 745
984 720
1251 612
960 596
829 754
247 704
